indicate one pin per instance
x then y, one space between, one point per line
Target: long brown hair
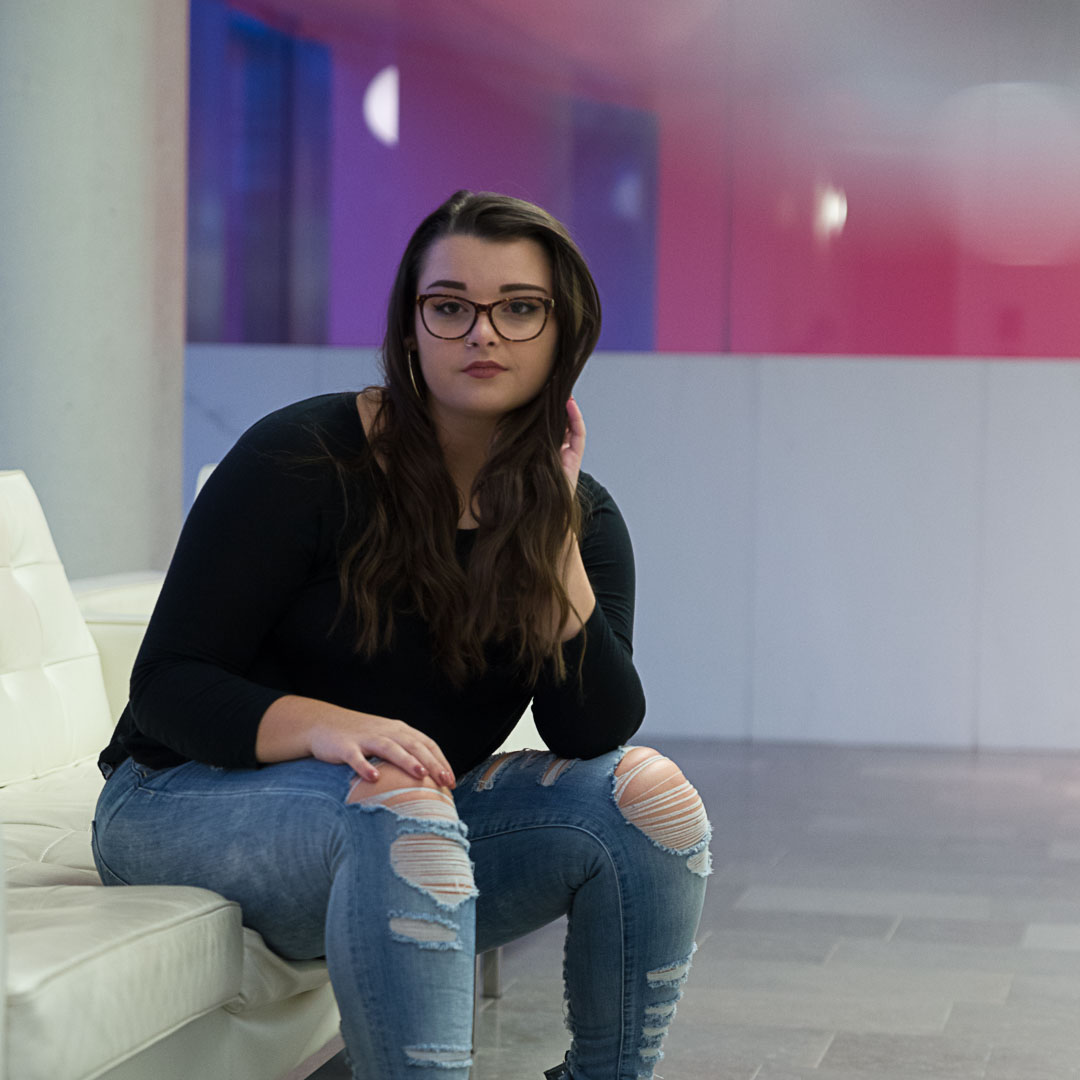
404 553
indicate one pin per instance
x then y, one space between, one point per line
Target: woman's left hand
573 447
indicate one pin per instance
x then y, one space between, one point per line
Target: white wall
838 550
93 105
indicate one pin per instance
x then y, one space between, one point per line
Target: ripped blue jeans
399 891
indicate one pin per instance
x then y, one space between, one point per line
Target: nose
482 332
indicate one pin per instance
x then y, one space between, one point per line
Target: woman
366 595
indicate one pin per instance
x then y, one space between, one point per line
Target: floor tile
878 1055
1032 1063
902 1014
1053 936
862 902
805 922
1065 850
1036 989
956 957
958 932
808 948
697 1034
1018 1025
840 982
782 1072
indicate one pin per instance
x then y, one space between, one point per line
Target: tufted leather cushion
53 708
95 975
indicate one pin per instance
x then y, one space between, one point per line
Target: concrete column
93 119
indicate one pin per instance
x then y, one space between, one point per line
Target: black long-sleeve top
248 608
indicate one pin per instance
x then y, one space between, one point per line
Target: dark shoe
560 1072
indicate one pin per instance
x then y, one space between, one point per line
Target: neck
465 442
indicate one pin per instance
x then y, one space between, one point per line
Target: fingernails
373 775
420 770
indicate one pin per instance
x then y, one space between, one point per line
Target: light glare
381 106
831 213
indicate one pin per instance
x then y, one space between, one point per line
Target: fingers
352 737
414 753
361 766
432 759
573 444
574 437
577 420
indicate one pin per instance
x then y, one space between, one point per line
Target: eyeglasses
519 318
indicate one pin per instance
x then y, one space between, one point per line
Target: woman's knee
430 851
396 788
652 794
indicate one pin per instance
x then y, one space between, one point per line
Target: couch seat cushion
95 974
112 968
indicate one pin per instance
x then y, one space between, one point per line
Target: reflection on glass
712 148
381 106
831 213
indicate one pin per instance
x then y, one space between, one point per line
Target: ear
411 344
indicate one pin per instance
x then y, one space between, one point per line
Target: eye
522 307
448 307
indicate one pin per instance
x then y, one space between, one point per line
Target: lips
484 369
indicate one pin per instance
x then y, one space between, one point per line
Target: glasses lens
519 319
446 316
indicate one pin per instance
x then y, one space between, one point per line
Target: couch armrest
117 609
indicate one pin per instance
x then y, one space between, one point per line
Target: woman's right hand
295 727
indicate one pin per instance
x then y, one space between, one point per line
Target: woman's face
482 376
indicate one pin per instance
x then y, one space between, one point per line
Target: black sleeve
248 544
600 704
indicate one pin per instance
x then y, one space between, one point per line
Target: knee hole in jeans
435 862
437 865
418 803
653 795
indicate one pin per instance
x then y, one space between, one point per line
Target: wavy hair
403 552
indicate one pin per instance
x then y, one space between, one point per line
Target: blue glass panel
614 215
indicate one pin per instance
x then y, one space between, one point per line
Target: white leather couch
121 983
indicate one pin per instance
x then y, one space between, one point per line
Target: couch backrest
53 708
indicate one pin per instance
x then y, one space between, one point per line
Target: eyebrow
515 287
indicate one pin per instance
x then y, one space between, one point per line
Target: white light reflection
830 214
381 106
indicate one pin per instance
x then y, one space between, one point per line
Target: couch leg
491 973
316 1060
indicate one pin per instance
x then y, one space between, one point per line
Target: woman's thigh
267 838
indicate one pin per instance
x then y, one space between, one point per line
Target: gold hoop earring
412 374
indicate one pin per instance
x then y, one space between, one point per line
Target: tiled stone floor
874 915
